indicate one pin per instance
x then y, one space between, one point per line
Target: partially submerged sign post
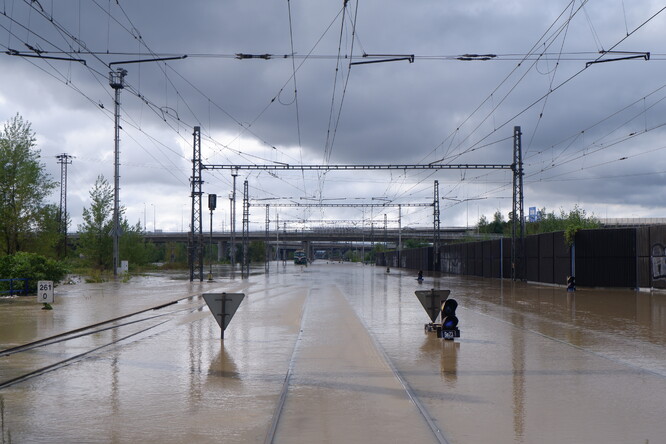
432 301
45 294
223 306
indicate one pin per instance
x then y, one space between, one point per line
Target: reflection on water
223 366
518 383
449 360
524 354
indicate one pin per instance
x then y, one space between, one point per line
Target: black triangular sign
432 300
223 306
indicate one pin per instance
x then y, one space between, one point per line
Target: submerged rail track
428 419
145 324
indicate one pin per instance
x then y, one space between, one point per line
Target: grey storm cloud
591 134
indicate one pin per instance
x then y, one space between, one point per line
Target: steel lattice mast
245 268
435 228
195 247
64 159
518 222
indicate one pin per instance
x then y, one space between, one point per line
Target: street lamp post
117 82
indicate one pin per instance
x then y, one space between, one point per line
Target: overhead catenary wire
175 126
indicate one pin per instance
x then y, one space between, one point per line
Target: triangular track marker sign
223 306
432 301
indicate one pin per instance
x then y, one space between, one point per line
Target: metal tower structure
518 262
435 229
117 82
267 259
196 239
64 159
245 271
232 220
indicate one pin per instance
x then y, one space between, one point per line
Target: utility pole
435 229
233 223
245 272
64 159
518 213
399 235
195 239
277 235
117 82
267 248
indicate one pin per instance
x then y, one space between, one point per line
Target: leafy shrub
31 266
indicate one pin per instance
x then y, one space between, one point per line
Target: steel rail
16 349
270 435
66 336
441 439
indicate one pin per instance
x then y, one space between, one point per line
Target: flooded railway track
428 420
126 328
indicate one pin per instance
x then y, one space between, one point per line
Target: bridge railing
14 289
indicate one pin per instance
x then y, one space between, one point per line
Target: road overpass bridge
335 235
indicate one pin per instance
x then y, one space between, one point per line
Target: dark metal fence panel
643 240
624 257
506 257
532 249
478 259
452 259
561 258
496 257
546 258
657 257
487 259
606 258
468 264
643 252
413 258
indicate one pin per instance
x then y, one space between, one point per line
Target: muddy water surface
534 364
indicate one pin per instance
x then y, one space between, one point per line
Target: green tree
497 226
30 266
257 251
414 243
576 220
482 226
24 184
47 237
95 241
133 246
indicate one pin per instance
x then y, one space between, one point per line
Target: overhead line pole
117 82
195 238
64 159
435 228
518 262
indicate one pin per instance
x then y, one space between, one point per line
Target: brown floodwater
533 363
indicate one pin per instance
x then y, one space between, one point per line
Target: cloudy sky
592 134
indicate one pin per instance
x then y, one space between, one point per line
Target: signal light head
449 323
